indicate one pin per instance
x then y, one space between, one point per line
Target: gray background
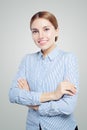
16 41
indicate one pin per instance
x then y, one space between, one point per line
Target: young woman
47 81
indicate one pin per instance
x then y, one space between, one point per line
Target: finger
24 82
20 84
65 84
73 90
69 93
69 85
70 88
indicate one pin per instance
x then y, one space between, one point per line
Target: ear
57 32
56 35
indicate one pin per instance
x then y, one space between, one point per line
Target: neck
47 51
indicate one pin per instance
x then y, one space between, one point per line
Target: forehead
40 22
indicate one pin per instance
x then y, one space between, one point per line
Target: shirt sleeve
66 104
21 96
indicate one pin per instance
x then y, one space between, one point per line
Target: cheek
51 35
34 38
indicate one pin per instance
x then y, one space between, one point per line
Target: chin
44 48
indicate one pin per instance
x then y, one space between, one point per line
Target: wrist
57 95
49 96
53 96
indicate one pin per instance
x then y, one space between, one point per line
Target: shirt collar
51 55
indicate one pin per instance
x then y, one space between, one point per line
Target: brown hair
46 15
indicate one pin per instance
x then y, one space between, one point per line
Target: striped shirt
44 75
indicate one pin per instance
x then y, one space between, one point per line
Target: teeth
42 41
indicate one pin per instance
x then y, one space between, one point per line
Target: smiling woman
47 81
44 34
44 29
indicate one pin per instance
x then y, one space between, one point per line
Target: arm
19 96
67 103
64 87
20 91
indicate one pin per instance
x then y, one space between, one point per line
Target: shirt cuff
29 98
48 109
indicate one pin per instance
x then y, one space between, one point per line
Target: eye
47 29
34 31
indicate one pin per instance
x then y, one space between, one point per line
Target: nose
41 34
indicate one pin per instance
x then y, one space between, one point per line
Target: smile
42 42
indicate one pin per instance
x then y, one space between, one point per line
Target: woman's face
43 33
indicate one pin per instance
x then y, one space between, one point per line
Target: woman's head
45 15
44 29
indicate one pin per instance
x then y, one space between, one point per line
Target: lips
42 42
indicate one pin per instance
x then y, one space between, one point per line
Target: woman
47 81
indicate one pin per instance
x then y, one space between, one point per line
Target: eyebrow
37 29
34 29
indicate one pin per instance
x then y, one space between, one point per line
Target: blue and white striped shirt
44 75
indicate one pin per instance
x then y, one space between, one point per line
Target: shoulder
70 57
30 56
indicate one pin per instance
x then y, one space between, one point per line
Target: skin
43 34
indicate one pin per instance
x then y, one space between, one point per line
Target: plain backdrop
16 41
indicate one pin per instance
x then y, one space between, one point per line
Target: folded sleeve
21 96
66 104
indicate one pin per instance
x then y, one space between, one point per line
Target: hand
64 87
34 107
23 84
